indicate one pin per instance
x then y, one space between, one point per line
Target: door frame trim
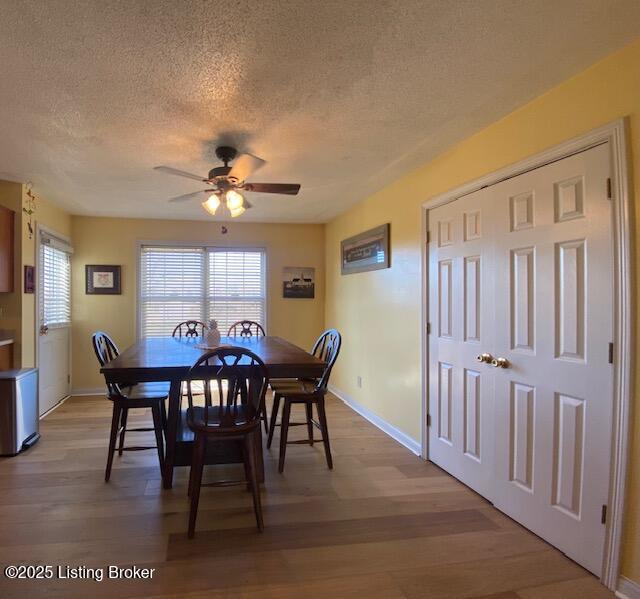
616 134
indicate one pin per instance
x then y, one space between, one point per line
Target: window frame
140 244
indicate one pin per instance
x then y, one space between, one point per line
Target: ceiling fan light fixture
235 200
236 211
211 204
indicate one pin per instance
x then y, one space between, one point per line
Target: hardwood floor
382 524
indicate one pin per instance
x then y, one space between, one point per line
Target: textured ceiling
340 96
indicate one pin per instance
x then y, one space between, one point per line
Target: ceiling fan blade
189 196
174 171
244 165
291 189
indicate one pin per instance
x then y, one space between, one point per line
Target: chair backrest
327 348
106 350
190 328
246 328
235 382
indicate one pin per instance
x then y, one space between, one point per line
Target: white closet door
461 289
553 323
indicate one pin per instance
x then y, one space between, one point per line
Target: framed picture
299 282
366 251
102 279
29 279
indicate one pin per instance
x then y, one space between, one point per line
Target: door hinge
603 519
428 236
69 379
610 353
428 328
428 420
609 191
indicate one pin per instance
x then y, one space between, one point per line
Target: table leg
172 432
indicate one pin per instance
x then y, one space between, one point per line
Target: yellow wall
379 312
114 241
19 307
57 221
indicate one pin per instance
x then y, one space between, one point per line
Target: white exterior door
550 317
54 320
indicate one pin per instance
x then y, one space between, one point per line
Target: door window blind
199 283
55 284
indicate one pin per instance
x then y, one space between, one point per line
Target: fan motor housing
219 171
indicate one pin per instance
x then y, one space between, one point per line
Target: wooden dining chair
246 328
190 328
226 415
127 397
309 392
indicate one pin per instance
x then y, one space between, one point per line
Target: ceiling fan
226 182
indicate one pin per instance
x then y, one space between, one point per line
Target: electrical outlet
359 382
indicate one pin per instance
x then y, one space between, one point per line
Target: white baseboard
628 589
411 444
52 409
88 391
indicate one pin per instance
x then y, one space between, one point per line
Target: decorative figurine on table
212 335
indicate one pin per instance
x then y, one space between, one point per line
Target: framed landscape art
366 251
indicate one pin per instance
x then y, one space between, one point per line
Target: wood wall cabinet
6 356
7 219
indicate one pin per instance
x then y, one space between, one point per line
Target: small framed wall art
29 279
102 279
299 282
366 251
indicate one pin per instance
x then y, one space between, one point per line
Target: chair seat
146 391
224 420
294 387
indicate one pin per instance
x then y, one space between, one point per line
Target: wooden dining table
168 359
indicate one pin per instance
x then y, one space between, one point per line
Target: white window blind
55 283
171 288
236 287
199 283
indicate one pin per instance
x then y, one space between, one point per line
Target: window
200 283
55 282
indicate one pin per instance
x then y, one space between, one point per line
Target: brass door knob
486 358
500 363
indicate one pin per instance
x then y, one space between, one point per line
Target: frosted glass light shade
235 200
211 204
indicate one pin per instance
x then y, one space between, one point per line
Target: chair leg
163 414
190 485
196 466
191 470
247 466
157 427
123 424
322 419
115 424
265 418
284 431
309 409
250 451
274 418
